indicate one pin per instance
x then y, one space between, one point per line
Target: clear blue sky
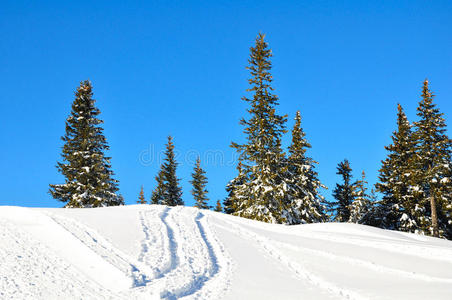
167 67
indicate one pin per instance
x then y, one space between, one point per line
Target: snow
154 252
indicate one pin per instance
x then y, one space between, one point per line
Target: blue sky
178 67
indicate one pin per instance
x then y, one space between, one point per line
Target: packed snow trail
158 252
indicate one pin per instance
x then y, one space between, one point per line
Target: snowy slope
153 252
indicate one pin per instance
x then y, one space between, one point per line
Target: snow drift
154 252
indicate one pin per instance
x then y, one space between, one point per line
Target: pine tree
141 199
343 193
158 194
230 202
170 193
261 196
375 215
434 165
399 207
361 205
199 183
304 201
218 207
87 171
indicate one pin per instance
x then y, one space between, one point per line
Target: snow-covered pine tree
229 202
218 207
434 165
399 207
304 200
199 183
375 215
343 193
172 192
262 196
361 205
87 171
158 194
141 198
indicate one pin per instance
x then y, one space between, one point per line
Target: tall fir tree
361 206
141 198
261 196
304 201
168 192
199 182
218 207
87 171
400 208
434 165
343 193
232 198
158 194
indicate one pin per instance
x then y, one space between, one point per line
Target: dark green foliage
199 183
168 192
141 199
396 180
231 199
343 193
433 165
261 196
158 193
87 171
218 207
361 206
304 200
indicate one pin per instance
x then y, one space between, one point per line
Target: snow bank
154 252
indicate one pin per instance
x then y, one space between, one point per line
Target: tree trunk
434 216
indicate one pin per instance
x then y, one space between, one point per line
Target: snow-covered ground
153 252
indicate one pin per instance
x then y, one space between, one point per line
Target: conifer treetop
199 181
87 171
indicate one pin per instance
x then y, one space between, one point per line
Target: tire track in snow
298 270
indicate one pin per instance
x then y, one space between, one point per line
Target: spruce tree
343 193
399 207
87 171
141 199
361 205
199 183
158 194
232 198
218 207
304 201
434 165
170 193
262 196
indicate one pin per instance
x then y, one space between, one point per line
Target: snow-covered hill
153 252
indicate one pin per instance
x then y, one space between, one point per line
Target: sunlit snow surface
153 252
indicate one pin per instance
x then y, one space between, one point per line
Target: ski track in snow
363 263
30 270
298 270
180 255
139 273
197 275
